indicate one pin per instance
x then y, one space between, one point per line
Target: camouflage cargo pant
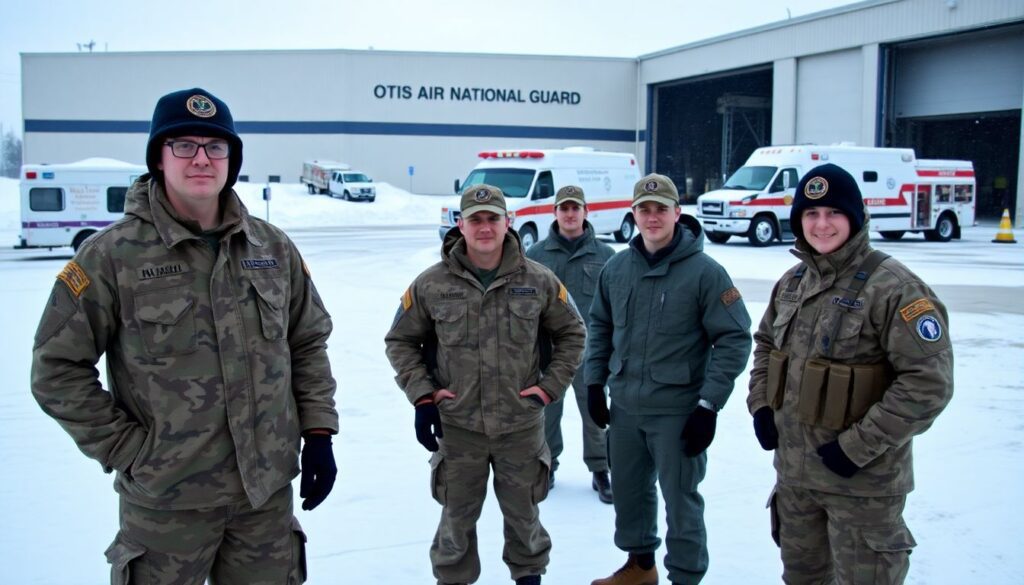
459 472
828 538
232 545
647 451
595 448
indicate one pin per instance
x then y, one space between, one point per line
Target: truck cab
351 186
724 214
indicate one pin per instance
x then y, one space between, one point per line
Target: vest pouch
777 361
869 385
837 397
812 387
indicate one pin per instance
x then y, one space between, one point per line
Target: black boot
603 486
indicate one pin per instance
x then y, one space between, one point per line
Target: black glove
318 470
428 425
833 457
597 406
764 428
699 431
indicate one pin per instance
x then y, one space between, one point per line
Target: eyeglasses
216 150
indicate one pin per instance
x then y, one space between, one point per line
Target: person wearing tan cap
465 345
574 254
668 335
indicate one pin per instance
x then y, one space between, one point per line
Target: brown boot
631 574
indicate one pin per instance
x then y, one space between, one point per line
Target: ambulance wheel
80 239
347 196
943 231
626 229
528 235
762 232
893 235
718 238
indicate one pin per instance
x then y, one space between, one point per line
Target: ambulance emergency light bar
511 154
35 175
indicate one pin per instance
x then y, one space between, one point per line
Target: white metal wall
367 108
828 98
978 74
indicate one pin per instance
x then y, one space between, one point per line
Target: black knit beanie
193 112
827 186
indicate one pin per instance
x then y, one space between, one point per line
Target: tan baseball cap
569 193
483 198
655 187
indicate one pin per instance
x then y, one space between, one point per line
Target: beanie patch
816 188
201 106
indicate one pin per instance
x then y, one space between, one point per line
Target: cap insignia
201 106
816 188
482 195
651 186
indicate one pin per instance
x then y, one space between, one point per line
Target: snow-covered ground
376 527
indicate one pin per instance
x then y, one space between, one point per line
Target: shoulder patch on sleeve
563 294
731 296
916 309
407 299
75 278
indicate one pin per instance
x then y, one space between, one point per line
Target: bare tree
10 155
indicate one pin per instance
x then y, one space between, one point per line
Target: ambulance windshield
750 178
512 182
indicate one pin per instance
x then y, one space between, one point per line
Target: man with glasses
217 369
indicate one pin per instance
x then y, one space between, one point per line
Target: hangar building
945 77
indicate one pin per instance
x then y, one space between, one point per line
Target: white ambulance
63 204
530 178
902 193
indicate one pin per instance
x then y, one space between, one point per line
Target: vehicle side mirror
543 192
785 181
456 186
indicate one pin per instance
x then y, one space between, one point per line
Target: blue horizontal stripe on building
372 128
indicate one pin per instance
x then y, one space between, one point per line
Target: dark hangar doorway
959 97
705 127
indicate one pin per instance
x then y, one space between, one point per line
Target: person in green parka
668 336
573 252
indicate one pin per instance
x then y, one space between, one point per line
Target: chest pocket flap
452 324
524 316
780 326
167 321
270 297
838 333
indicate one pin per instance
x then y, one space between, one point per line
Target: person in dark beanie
217 369
852 359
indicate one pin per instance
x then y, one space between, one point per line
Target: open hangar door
960 97
704 128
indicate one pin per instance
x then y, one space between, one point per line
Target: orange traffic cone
1005 233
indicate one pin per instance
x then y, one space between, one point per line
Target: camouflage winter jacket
578 270
662 337
895 324
215 361
487 340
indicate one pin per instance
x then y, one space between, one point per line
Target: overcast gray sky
615 28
